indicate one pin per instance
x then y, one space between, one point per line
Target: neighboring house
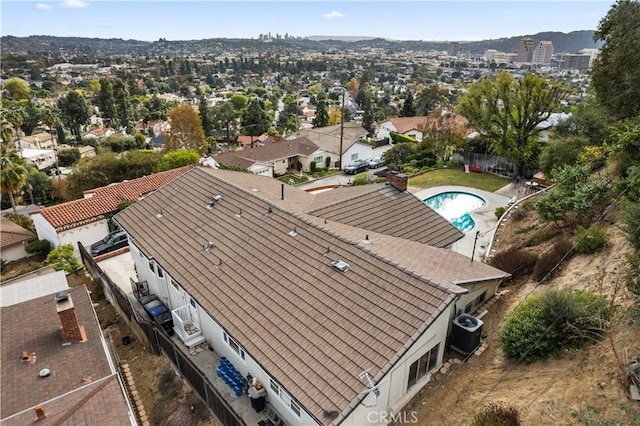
87 220
158 142
40 141
408 126
55 365
250 141
257 267
13 238
275 158
86 151
328 139
99 133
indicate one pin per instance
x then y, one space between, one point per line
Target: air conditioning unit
466 334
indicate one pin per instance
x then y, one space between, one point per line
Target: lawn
485 181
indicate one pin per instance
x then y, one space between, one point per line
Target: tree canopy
615 75
186 130
16 88
74 112
507 111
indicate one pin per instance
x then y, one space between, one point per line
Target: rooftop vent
61 296
293 232
159 214
239 214
366 239
340 265
208 246
217 197
211 204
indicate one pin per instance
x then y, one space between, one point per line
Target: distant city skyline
401 20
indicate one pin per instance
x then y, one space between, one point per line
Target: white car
376 162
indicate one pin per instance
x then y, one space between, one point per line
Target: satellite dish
371 388
45 372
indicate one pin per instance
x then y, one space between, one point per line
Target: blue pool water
455 207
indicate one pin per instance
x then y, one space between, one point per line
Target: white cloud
74 4
42 6
333 14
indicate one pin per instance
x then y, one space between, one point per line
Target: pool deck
484 216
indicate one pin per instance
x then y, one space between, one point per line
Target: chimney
398 180
71 330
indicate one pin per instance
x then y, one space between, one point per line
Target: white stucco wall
393 389
475 290
261 170
14 252
44 230
360 150
86 234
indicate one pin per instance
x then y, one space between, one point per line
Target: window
423 365
175 285
354 156
318 159
235 346
151 266
284 397
160 272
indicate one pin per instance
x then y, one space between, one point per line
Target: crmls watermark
386 417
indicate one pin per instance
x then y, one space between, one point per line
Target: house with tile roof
275 158
311 294
328 139
87 220
13 238
55 365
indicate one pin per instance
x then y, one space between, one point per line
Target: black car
356 166
114 241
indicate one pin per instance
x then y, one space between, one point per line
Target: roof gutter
497 277
398 356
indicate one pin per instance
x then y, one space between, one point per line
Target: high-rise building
543 53
454 48
525 50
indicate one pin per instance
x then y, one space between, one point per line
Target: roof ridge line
354 197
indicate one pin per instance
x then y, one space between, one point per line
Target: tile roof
269 152
12 233
311 327
384 209
34 326
328 138
105 199
405 124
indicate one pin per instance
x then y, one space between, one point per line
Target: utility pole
344 94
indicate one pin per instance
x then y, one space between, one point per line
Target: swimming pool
455 207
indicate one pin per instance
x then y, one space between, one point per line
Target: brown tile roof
328 138
384 209
405 124
11 233
34 326
312 328
269 152
105 199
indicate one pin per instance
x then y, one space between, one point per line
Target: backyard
485 181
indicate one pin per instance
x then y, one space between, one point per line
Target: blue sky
402 20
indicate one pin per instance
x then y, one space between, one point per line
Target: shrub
38 247
514 261
518 214
525 229
499 211
539 237
555 320
590 240
631 274
360 179
312 166
22 220
548 261
497 414
62 258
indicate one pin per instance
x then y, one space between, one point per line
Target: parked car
114 241
356 166
376 162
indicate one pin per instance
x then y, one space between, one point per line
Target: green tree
178 158
186 130
239 102
13 176
62 258
225 115
205 117
68 157
507 111
408 107
16 89
442 133
123 109
614 80
395 157
368 122
40 185
561 151
75 112
51 118
321 118
31 116
255 119
106 101
428 98
11 122
588 120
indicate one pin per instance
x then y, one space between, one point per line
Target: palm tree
12 177
11 122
